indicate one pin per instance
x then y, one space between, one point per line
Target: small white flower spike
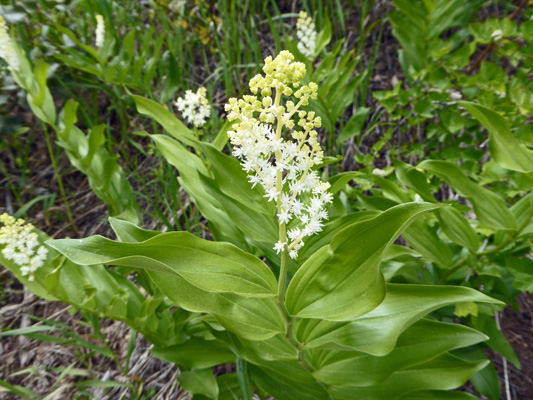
306 34
100 31
497 35
21 245
7 52
194 107
257 140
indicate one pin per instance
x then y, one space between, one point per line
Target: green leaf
415 179
421 342
196 353
164 117
251 318
281 390
354 126
342 280
127 231
330 229
274 349
199 381
233 181
438 395
504 147
486 381
210 266
402 307
488 206
522 270
228 386
457 228
445 372
323 37
497 341
172 82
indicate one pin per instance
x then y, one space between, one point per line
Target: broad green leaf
127 231
286 391
228 386
439 395
376 332
330 229
342 280
488 206
164 117
233 181
251 318
445 372
415 179
421 342
191 169
196 353
254 225
504 147
497 341
522 270
457 228
424 239
338 181
210 266
41 101
199 381
486 381
274 349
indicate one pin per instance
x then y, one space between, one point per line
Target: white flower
279 246
378 172
100 31
194 107
497 35
306 34
7 52
277 152
455 95
21 245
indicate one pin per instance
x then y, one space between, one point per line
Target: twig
491 46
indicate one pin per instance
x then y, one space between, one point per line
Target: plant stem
58 176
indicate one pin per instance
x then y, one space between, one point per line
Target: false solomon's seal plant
321 325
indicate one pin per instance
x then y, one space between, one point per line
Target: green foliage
407 249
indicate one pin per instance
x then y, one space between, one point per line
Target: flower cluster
258 141
7 52
194 107
100 31
306 34
21 245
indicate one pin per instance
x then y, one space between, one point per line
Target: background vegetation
441 85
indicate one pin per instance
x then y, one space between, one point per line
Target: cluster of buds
7 52
194 107
100 31
21 245
306 33
257 140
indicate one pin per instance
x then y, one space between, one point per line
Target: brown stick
491 46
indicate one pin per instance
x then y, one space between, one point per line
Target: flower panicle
194 107
7 51
257 139
306 34
21 245
100 31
